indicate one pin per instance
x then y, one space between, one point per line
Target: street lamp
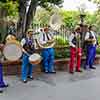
82 8
82 16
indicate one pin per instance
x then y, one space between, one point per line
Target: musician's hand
93 40
76 47
80 54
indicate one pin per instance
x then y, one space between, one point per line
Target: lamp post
82 16
82 8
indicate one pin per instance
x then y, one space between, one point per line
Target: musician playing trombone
75 51
91 44
28 49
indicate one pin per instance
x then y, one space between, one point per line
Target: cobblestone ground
60 86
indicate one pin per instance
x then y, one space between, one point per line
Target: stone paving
60 86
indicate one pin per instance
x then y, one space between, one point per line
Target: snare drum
12 51
35 58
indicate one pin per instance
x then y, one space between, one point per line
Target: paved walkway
61 86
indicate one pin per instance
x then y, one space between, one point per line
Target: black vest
74 40
91 37
29 46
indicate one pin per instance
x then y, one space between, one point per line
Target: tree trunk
22 12
21 29
31 14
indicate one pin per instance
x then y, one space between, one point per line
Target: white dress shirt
93 34
71 37
43 37
23 41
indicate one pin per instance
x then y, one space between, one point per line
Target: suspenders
48 36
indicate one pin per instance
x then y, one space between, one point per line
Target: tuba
55 24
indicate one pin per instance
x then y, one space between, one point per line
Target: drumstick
25 51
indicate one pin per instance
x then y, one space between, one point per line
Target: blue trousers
91 53
27 68
48 59
2 84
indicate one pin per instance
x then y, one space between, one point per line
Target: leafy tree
70 18
24 25
8 8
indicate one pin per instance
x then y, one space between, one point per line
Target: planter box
14 68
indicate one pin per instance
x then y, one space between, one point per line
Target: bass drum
35 58
12 51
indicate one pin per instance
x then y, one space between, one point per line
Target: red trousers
75 58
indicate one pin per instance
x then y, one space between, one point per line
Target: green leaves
10 7
50 3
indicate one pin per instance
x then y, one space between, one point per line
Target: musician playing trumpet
75 51
91 43
46 42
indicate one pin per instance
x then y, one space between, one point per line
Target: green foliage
98 51
42 16
90 18
70 18
99 39
60 41
48 3
10 7
62 53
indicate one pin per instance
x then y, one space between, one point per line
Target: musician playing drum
91 43
48 51
2 83
28 49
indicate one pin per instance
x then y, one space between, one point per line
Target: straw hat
77 28
30 30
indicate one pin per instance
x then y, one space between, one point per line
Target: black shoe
71 72
24 81
5 86
86 68
52 72
79 71
92 67
46 72
1 91
30 77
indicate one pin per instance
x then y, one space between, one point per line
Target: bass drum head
12 52
35 58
